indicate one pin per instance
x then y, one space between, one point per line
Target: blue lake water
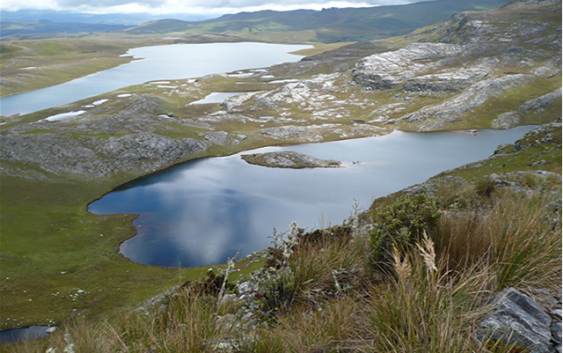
202 212
159 63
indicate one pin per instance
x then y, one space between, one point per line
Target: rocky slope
289 159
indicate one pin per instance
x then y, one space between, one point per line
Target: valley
493 69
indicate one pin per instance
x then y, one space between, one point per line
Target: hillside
328 25
45 29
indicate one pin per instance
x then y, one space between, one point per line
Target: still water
159 63
30 333
202 212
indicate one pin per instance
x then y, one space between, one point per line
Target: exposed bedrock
289 159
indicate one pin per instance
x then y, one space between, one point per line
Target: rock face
289 159
518 319
465 65
388 70
93 158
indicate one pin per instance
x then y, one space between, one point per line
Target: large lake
159 63
202 212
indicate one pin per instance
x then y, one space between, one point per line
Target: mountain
112 18
43 27
328 25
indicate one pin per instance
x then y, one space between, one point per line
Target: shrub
402 223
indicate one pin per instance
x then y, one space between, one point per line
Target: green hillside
328 25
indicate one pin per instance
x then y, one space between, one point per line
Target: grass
63 59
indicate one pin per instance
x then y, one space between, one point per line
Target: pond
202 212
30 333
161 62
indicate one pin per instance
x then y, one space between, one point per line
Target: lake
202 212
161 62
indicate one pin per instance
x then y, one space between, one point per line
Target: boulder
517 319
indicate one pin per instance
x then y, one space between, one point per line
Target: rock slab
289 159
518 319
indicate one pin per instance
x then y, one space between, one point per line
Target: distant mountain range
48 28
328 26
110 19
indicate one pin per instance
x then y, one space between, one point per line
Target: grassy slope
56 234
59 60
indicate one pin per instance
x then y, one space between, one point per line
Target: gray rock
246 287
289 159
218 138
517 319
556 329
300 133
454 109
557 312
540 102
390 69
506 120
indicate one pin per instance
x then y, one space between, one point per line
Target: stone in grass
556 332
289 159
517 319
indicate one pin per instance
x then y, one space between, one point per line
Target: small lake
202 212
161 62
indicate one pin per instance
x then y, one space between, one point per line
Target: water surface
30 333
161 62
202 212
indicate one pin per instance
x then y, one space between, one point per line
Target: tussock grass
515 235
425 308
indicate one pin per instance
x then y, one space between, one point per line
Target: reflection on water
202 212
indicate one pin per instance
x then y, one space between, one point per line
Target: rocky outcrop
540 102
91 157
289 159
517 319
388 70
454 109
300 133
223 138
506 120
147 146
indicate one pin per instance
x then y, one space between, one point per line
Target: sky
159 7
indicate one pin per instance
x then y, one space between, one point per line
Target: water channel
202 212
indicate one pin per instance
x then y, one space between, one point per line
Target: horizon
166 8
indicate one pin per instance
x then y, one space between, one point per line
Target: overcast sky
158 7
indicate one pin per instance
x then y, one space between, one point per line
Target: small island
289 159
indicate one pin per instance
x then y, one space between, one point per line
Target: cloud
187 6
